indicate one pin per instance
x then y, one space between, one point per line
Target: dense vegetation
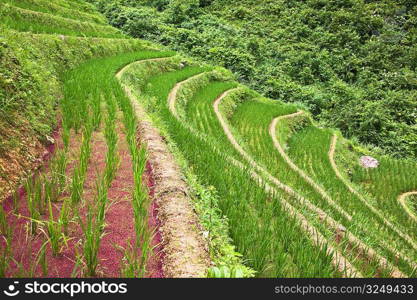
352 63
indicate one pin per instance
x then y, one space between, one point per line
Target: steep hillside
351 63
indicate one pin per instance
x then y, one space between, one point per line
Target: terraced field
278 152
275 195
86 206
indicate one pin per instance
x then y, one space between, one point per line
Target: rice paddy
275 194
304 166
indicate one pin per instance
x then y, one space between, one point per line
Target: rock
50 139
368 162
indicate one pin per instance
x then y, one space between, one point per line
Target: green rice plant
92 237
6 237
5 229
96 111
385 183
77 184
112 159
252 222
251 120
316 161
129 262
224 272
38 194
43 260
54 232
50 190
134 265
66 137
65 216
40 259
34 214
16 201
58 171
5 254
140 205
85 88
80 171
93 229
79 263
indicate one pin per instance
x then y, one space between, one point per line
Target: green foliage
224 272
352 63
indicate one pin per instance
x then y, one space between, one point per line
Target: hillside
122 158
351 63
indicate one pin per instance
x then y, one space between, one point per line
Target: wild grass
58 171
55 232
93 229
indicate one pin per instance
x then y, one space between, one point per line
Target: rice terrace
219 139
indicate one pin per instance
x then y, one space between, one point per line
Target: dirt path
331 155
337 227
319 189
172 97
184 248
402 199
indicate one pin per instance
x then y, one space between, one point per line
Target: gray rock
368 162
